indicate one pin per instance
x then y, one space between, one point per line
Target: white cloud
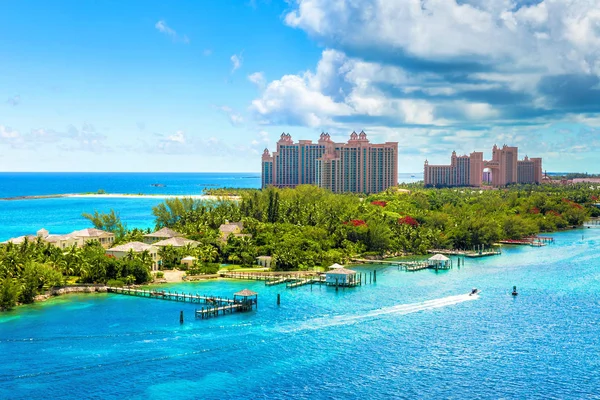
7 134
177 137
162 27
258 78
234 118
236 62
446 63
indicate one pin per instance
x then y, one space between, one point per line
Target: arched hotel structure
503 169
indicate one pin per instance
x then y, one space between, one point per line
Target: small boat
514 292
474 291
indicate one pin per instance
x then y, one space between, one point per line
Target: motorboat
474 291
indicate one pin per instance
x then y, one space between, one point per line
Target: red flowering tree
356 222
534 210
379 203
408 220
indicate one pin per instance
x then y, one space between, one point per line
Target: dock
170 296
244 300
302 282
487 253
410 266
270 279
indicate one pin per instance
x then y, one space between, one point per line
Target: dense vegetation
307 226
302 228
30 268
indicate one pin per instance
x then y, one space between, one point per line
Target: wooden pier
302 282
270 279
244 300
170 296
409 266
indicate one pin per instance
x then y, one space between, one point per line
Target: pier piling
279 298
181 317
375 276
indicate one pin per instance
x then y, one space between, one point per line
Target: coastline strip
120 196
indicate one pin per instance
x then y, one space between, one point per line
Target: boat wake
401 309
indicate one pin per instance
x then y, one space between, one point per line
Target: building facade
357 166
503 169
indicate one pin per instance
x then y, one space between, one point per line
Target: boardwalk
302 282
171 296
214 311
409 266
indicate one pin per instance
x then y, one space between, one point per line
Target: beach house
137 247
176 242
106 239
161 234
227 229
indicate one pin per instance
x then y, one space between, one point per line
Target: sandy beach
123 196
152 196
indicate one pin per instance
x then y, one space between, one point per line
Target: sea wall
57 291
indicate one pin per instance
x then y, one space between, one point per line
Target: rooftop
341 271
176 242
164 233
137 247
90 232
245 293
231 226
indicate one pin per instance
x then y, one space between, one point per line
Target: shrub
160 275
9 293
115 283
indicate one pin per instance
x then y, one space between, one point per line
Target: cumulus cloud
236 62
162 27
441 64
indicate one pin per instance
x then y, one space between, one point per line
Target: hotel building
503 169
356 166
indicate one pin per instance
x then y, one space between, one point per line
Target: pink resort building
503 169
356 166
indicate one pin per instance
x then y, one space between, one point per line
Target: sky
206 85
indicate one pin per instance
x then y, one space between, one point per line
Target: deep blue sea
410 335
63 215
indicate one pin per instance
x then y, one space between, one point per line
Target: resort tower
357 166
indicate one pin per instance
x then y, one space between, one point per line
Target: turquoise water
63 215
410 335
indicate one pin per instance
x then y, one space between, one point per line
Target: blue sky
207 85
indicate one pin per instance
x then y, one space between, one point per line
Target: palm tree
145 258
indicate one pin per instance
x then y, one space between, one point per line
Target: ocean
409 335
63 215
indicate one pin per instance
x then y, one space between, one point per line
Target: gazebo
336 266
440 261
246 299
342 277
189 261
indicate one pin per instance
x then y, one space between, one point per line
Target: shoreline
120 196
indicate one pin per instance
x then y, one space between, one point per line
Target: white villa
161 234
137 247
176 242
77 238
106 239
